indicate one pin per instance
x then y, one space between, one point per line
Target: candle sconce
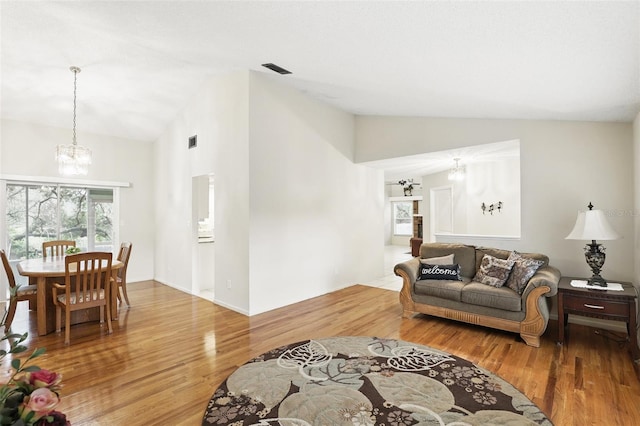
491 207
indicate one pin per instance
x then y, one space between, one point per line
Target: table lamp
592 225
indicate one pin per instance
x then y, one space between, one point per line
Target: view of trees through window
37 213
402 218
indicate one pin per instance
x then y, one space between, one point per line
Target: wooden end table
602 304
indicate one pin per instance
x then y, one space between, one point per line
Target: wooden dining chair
87 284
18 293
56 247
123 256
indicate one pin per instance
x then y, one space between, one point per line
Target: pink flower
41 402
44 379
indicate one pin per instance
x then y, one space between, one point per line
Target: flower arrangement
73 250
30 396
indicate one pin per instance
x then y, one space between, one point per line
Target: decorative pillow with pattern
523 269
442 260
439 272
493 271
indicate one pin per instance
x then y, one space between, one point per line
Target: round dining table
45 270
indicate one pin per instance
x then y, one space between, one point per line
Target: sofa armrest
410 268
546 276
408 271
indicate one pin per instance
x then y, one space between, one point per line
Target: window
37 213
402 217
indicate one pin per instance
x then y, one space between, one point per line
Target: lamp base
594 254
597 280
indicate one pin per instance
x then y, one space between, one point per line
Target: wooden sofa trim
530 328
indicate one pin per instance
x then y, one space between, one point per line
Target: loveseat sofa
491 287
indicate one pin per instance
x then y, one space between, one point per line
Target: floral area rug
366 381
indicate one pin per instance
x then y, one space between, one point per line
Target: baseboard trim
231 307
217 302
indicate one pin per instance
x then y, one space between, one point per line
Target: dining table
46 270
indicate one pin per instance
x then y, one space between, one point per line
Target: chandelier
73 159
456 173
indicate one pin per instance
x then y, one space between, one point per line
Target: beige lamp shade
592 225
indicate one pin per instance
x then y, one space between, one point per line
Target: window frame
394 221
40 180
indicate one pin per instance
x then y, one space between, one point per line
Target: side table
602 304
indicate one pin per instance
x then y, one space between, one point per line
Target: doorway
203 236
441 212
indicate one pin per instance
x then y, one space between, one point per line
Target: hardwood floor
170 351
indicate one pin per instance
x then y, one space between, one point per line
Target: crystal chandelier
73 159
456 173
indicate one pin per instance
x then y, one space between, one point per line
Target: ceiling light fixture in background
73 159
458 172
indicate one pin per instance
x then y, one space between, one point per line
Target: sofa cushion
442 260
440 288
482 295
439 272
523 269
464 255
493 271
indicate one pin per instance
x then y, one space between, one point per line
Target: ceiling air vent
193 141
274 67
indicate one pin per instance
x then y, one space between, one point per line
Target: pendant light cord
75 70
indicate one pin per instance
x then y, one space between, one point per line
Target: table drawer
596 306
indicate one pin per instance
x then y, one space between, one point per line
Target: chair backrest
85 275
123 256
7 269
56 247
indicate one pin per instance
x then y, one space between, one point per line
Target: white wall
486 182
489 183
388 216
28 150
292 212
564 166
636 198
316 218
636 203
218 115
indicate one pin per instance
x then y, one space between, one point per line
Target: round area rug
366 381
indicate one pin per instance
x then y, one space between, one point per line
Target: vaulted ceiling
142 61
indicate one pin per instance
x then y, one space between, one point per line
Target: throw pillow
493 271
523 269
440 272
442 260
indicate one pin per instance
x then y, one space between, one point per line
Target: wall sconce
492 207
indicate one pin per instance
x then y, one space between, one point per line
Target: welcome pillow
439 272
493 271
